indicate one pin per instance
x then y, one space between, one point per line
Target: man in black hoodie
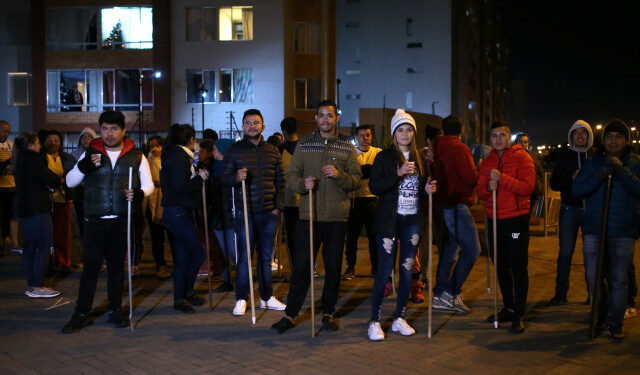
571 218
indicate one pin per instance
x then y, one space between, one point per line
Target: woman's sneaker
41 292
272 304
240 308
401 326
375 332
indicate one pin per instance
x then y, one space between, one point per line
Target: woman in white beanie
399 177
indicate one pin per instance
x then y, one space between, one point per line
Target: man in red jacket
456 174
509 170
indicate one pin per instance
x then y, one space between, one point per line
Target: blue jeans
38 235
262 232
618 260
407 236
571 219
227 244
461 231
189 251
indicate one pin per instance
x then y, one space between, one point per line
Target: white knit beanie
401 117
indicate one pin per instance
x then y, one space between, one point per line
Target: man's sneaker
272 304
118 319
349 273
517 326
163 273
184 307
505 315
16 250
240 308
401 326
283 325
458 305
41 292
78 321
615 333
416 291
443 302
224 288
558 301
375 332
630 312
329 323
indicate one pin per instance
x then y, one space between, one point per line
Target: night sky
576 60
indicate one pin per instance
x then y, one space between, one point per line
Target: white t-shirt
408 193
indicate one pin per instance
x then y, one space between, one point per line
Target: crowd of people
322 184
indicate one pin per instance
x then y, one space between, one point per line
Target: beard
254 137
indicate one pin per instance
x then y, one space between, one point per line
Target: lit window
236 86
19 93
99 90
201 24
127 27
307 93
201 85
236 23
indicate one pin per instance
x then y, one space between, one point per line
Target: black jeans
103 239
38 235
513 253
633 287
156 231
291 217
331 235
361 214
7 212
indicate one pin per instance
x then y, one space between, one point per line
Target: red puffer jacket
454 170
517 181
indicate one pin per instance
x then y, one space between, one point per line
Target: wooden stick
313 294
495 261
206 239
430 260
129 252
248 245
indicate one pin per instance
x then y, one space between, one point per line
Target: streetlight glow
633 128
158 74
598 126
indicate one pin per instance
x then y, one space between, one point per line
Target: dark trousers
513 253
7 209
570 221
156 231
61 217
331 235
103 239
38 235
180 222
361 214
633 287
291 217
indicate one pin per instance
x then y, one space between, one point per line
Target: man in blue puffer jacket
617 159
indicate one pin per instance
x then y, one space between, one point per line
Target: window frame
11 102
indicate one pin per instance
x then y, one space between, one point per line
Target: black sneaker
195 300
118 319
505 315
329 323
615 333
517 326
185 308
557 301
78 321
283 325
224 288
349 273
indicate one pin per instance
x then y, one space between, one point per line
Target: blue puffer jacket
624 209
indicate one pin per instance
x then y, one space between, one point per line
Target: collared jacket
265 179
35 182
331 199
517 181
454 170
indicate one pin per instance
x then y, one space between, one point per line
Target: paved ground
166 342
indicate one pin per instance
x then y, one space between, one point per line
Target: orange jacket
517 181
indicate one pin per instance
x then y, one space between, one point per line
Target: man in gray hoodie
568 164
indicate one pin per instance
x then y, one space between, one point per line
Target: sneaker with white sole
375 332
443 302
458 305
41 292
240 308
401 326
272 304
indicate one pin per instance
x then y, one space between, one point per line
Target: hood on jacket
87 130
127 145
580 124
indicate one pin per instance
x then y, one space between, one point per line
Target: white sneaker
375 332
272 304
401 326
241 307
41 292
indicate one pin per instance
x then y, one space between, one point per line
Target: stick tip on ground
495 324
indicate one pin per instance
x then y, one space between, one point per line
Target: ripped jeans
407 236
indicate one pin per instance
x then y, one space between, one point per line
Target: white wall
264 54
15 28
380 44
